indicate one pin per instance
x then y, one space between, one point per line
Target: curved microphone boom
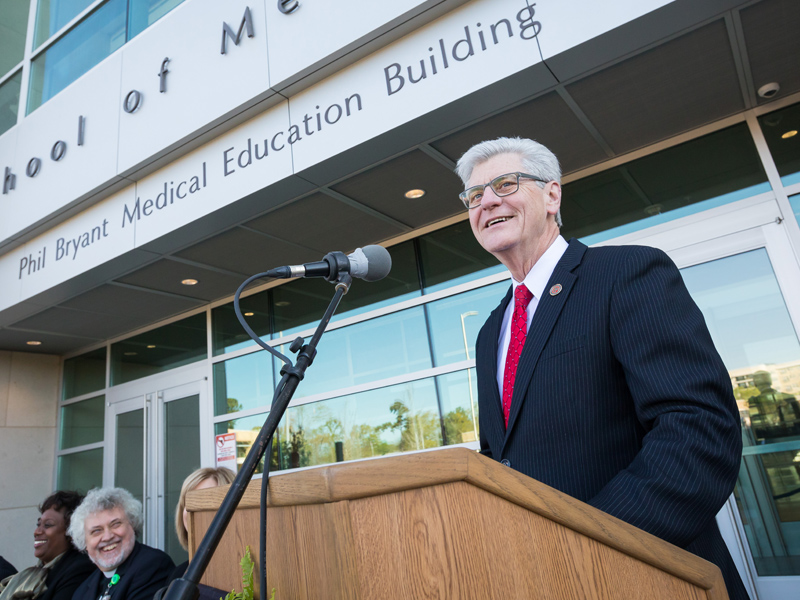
369 263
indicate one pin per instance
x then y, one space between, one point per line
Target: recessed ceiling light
34 343
282 303
413 194
151 346
653 210
249 314
789 134
129 353
189 282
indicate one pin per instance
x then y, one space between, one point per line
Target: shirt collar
540 273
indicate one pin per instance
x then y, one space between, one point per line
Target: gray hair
536 159
99 500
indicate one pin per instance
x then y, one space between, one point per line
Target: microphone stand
185 588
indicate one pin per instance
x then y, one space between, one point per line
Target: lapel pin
556 289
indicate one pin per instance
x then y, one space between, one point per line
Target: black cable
247 327
262 541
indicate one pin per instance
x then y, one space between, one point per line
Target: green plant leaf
248 566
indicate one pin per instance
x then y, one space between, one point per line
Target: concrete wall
29 386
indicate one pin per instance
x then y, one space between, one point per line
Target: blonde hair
221 475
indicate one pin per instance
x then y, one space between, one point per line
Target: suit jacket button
505 462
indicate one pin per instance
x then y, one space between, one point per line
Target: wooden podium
447 524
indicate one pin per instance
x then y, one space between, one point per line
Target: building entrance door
155 429
746 283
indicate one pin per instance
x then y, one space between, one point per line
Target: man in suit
106 525
596 373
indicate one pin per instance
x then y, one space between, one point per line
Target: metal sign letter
227 32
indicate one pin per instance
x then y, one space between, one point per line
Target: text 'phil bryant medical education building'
154 154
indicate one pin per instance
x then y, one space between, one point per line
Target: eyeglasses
504 185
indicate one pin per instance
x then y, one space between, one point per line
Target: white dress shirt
535 281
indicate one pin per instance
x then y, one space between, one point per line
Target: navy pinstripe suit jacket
621 399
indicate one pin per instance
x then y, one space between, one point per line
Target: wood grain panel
412 522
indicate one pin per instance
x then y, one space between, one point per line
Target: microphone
369 263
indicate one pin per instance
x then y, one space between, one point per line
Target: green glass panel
399 418
458 396
82 423
129 462
182 457
243 383
89 42
782 132
85 373
299 305
52 15
159 350
452 256
13 29
710 171
456 320
751 327
80 471
393 419
391 345
228 334
143 13
9 101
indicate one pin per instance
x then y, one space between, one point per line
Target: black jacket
142 574
66 575
6 568
620 399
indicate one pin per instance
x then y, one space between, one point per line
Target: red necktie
519 330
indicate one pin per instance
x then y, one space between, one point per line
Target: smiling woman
61 568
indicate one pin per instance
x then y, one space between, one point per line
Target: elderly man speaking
596 373
105 526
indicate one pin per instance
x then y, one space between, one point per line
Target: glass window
452 256
243 383
94 38
458 395
794 201
710 171
751 327
455 322
781 132
9 101
300 304
82 423
13 29
85 373
158 350
80 471
129 463
393 419
246 431
228 333
143 13
395 344
181 458
52 15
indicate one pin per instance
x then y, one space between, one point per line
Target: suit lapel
544 319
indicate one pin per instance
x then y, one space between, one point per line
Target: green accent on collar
114 579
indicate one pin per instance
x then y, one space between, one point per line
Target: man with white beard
105 526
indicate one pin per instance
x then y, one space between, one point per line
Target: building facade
155 154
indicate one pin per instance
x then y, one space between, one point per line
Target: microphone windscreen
379 262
